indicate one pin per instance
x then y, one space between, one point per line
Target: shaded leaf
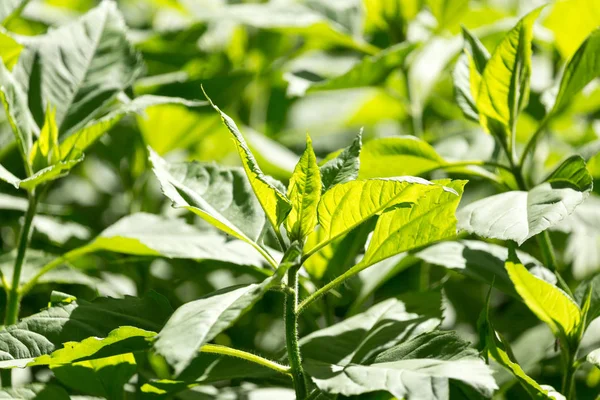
344 167
572 172
37 391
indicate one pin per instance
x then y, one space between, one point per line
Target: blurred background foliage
327 67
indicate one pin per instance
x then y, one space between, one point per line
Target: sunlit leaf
10 49
8 8
567 16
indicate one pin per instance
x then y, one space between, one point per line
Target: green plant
298 270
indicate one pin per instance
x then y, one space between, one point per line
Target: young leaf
519 215
504 86
73 62
304 192
499 350
10 50
429 220
272 200
198 322
71 320
46 151
546 301
209 191
347 205
397 156
50 173
572 172
593 285
360 338
344 167
581 69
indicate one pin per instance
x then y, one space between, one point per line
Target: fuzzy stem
291 334
244 355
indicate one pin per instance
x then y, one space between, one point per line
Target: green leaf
519 215
402 228
104 377
153 235
209 191
478 260
397 156
273 201
593 285
360 338
426 379
46 151
8 8
347 205
570 25
50 173
497 347
73 320
370 71
123 340
572 173
69 66
546 301
8 177
344 167
581 69
448 13
37 391
10 49
504 86
198 322
86 135
304 192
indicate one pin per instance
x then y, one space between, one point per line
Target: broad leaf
546 301
37 391
198 322
212 192
344 167
397 156
429 220
153 235
504 86
448 13
581 69
360 338
68 67
478 260
567 17
572 173
519 215
72 320
304 192
347 205
273 201
497 347
370 71
426 379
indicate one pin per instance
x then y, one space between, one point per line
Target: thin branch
244 355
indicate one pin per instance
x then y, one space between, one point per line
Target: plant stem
291 333
533 140
244 355
14 296
568 381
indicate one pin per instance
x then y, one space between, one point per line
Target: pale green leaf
273 201
50 173
153 235
592 286
581 69
358 339
46 151
504 86
571 25
198 322
397 156
71 320
347 205
82 65
211 192
546 301
519 215
404 228
344 167
8 177
304 193
37 391
8 8
448 13
423 379
370 71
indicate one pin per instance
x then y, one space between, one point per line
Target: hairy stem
244 355
291 334
568 361
14 296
